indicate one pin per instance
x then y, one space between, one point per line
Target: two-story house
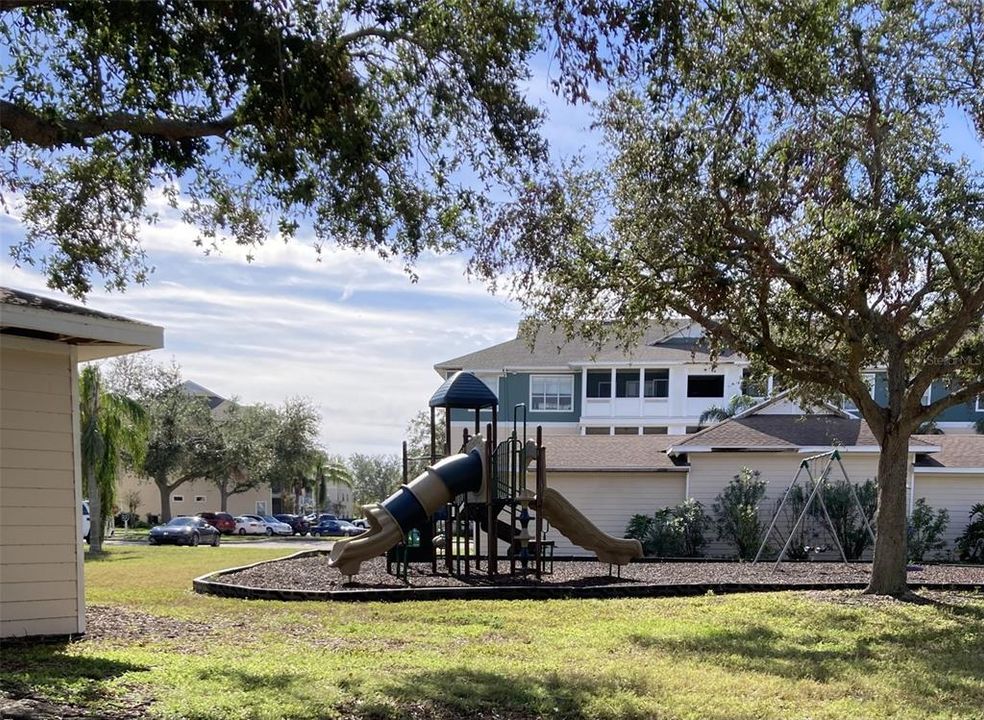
659 386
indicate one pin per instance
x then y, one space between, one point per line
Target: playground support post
775 518
493 546
541 483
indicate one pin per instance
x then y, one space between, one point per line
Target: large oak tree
378 124
780 174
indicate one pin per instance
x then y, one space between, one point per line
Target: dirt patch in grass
118 623
313 573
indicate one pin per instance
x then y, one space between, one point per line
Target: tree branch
29 127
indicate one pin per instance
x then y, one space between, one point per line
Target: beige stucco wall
609 499
955 492
41 583
710 473
190 492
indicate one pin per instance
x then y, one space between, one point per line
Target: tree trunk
223 498
95 511
165 491
888 569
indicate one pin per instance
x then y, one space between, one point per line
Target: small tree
183 442
844 513
113 432
736 511
694 523
926 528
246 453
970 544
374 477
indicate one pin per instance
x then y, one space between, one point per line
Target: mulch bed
312 573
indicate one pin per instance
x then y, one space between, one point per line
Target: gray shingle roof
792 431
619 453
20 298
553 349
963 451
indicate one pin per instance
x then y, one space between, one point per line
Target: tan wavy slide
570 521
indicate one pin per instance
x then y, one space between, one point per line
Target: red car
221 521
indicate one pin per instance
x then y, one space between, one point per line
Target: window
627 383
657 383
597 431
552 393
705 386
752 386
654 430
178 498
626 431
261 508
869 380
599 384
691 429
927 397
199 498
980 403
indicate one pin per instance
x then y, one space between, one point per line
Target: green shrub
970 545
926 527
844 514
694 523
736 512
671 532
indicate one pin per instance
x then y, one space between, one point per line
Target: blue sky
350 332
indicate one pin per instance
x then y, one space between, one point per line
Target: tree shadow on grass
46 671
943 654
247 680
462 692
112 555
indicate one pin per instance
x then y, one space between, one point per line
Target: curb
210 585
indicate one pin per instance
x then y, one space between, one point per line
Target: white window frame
200 499
261 508
568 378
927 397
980 404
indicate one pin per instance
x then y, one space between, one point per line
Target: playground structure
815 482
458 500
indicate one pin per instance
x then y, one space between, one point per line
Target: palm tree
328 471
113 430
736 404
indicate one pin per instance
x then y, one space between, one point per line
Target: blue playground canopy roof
463 390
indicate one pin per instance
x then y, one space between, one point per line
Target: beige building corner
42 589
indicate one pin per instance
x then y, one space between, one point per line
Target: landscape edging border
208 585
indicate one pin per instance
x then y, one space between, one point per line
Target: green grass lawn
738 656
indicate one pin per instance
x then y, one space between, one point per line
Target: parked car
221 521
361 523
335 528
351 528
184 531
273 526
86 520
323 517
297 523
249 525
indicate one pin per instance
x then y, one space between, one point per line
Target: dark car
335 528
221 521
185 531
297 523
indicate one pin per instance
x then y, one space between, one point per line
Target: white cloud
364 357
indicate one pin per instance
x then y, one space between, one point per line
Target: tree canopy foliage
380 125
780 174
